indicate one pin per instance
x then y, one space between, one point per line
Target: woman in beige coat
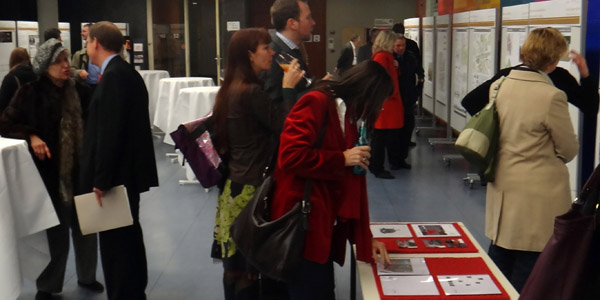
536 141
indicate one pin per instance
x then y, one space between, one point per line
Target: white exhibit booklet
404 266
113 213
435 230
480 284
383 230
408 285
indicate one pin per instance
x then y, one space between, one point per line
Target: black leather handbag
273 247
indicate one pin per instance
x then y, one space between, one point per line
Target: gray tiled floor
178 220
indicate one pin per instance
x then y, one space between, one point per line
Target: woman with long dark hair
20 74
246 128
340 209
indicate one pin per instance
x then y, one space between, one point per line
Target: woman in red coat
386 135
340 209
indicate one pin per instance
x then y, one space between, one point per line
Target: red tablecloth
450 266
392 247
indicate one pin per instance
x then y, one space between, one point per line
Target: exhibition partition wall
460 68
515 27
28 36
442 67
8 41
428 50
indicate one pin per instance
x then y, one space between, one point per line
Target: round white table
192 104
152 79
168 91
25 212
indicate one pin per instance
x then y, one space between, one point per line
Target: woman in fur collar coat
48 114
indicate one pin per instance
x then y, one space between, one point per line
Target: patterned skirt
232 200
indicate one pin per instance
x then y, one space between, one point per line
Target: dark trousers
407 131
124 257
86 251
384 140
516 265
313 281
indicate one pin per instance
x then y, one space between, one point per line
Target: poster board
65 34
412 29
565 16
8 42
515 27
460 69
442 66
482 47
428 50
28 36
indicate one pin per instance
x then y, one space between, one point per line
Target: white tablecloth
151 79
25 212
192 104
168 91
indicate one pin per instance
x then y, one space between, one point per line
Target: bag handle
592 183
496 88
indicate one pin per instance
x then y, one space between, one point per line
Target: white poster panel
428 51
460 63
515 23
28 36
412 29
482 47
442 66
8 41
565 16
65 34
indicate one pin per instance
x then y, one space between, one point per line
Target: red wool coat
337 194
392 111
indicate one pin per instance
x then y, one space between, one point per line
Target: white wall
360 13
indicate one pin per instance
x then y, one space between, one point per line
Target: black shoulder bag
274 247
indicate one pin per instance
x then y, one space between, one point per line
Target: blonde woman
386 133
536 141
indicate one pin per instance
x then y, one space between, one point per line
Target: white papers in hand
114 212
408 285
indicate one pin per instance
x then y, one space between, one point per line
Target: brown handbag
563 269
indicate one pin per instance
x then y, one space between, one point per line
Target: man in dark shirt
366 51
410 75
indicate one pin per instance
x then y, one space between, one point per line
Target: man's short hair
354 37
52 33
108 35
88 25
283 10
398 28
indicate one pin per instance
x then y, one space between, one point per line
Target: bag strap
496 88
18 82
306 204
592 183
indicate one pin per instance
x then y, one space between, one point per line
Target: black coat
273 77
117 142
364 53
409 69
345 60
584 96
10 85
36 109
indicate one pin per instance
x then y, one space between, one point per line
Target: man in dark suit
118 150
410 76
366 51
348 58
293 22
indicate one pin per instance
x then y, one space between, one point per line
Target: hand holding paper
113 211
